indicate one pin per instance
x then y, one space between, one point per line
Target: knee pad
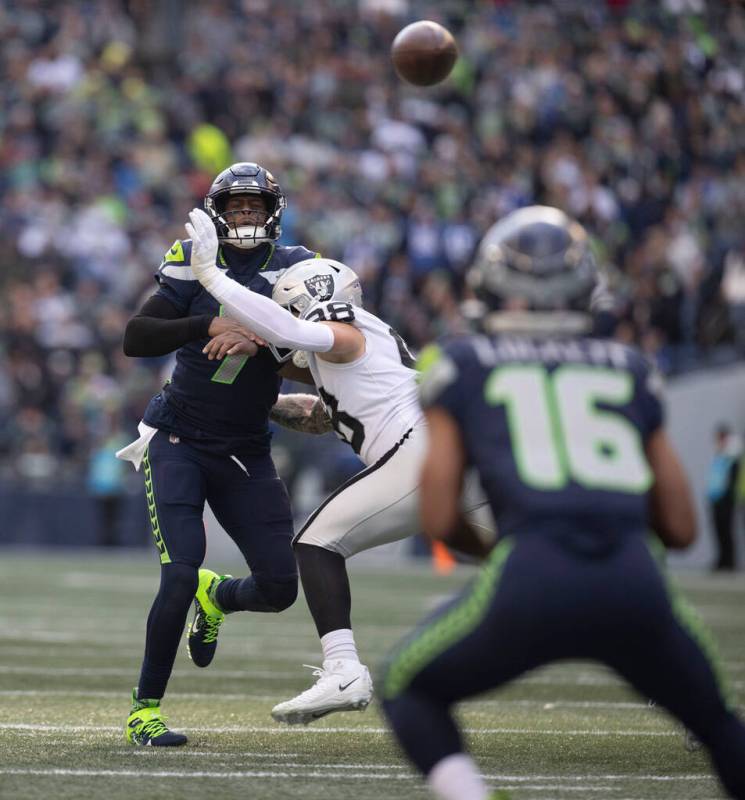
279 595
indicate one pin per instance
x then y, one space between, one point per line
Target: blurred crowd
116 114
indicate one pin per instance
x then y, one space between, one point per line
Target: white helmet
316 280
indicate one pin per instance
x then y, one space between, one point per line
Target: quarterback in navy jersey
205 437
566 433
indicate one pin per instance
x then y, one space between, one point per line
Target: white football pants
380 504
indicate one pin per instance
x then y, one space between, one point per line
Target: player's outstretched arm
256 312
301 412
442 476
671 509
441 486
159 328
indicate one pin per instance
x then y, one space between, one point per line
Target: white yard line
519 781
113 695
582 679
549 705
592 777
132 773
272 759
546 705
176 753
242 674
542 787
42 728
586 679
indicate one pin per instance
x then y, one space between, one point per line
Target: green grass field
70 649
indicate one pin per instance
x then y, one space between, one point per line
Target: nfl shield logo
320 286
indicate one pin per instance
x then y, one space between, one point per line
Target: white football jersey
372 401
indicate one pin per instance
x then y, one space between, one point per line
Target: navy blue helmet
536 259
245 178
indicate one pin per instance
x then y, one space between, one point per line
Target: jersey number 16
559 433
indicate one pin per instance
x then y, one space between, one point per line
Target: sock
326 587
339 644
165 624
250 594
457 778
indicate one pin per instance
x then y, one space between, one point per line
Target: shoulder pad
176 262
437 372
280 259
287 256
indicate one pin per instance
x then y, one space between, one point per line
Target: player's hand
204 244
232 343
224 325
227 325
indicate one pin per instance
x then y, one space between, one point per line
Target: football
424 53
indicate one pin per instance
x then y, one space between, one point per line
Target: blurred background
115 115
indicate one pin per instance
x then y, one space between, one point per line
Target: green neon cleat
146 726
201 641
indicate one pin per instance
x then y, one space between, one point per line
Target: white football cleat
342 685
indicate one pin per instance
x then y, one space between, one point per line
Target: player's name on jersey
519 348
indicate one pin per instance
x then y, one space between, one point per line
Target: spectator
107 484
115 114
721 494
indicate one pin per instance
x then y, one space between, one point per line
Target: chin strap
246 241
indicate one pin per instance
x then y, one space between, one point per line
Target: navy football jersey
224 404
556 428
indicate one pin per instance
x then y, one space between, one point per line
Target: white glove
254 311
204 245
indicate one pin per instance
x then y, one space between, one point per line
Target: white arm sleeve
265 318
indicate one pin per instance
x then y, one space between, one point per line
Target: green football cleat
146 726
201 641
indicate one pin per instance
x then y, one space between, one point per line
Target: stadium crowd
115 116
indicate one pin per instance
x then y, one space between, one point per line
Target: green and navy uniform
213 445
223 404
556 430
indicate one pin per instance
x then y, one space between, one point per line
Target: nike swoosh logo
347 685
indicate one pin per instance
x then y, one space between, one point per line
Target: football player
205 437
566 433
367 385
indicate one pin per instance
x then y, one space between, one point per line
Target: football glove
204 245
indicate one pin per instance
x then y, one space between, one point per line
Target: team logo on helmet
320 286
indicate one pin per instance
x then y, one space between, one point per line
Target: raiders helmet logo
320 286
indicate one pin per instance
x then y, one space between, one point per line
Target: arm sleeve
159 328
265 318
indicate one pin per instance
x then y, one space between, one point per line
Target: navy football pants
539 601
250 502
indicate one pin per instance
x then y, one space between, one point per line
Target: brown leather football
423 53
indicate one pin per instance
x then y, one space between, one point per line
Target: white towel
135 451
